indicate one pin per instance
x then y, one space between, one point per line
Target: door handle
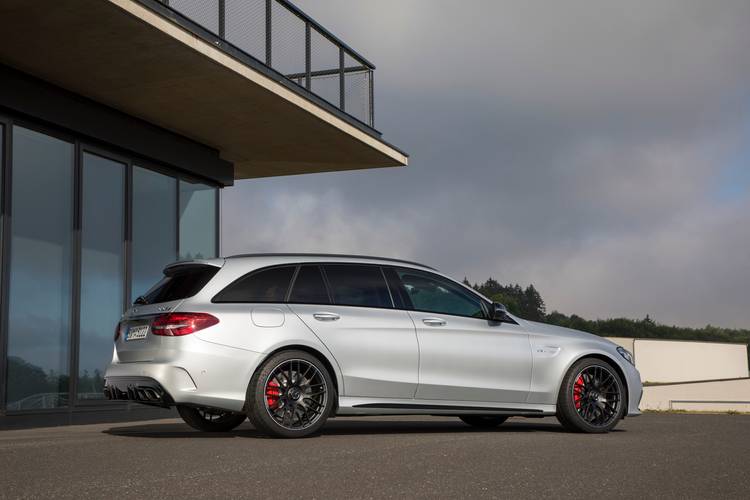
433 322
323 316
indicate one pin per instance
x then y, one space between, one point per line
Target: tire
291 395
484 421
592 397
208 420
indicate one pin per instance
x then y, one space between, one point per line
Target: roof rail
331 255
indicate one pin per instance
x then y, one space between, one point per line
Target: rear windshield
179 283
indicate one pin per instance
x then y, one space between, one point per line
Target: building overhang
133 57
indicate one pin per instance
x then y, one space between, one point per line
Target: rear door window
178 283
309 287
266 285
356 285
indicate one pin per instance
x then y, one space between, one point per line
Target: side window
432 293
267 285
354 285
309 287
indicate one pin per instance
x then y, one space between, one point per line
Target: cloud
307 222
693 270
581 146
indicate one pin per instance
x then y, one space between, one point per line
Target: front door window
431 293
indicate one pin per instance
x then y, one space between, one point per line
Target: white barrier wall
728 395
679 361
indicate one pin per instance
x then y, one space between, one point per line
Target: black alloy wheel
592 397
296 394
596 395
291 395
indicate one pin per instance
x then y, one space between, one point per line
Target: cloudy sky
597 149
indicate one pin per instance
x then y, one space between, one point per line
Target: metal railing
284 38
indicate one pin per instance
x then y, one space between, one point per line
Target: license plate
137 333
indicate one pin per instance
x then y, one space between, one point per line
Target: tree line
528 304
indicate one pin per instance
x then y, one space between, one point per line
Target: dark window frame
5 127
397 289
326 284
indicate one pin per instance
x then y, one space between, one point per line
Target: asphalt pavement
652 456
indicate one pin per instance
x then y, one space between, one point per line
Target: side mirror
498 312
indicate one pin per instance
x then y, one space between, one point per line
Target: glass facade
198 216
81 222
41 277
102 267
154 227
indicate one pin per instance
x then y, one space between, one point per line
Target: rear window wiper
141 301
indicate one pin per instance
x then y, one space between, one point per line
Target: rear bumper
195 372
143 390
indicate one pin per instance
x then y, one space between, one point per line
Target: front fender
549 369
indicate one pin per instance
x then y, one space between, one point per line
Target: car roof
329 257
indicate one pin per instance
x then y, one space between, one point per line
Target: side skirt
372 406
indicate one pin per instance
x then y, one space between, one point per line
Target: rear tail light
178 324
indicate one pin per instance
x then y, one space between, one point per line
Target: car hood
559 331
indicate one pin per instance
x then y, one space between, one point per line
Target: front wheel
485 421
592 397
209 420
291 395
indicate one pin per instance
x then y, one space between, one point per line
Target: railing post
268 33
342 88
308 56
372 97
222 18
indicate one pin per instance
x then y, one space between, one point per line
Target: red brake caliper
272 394
578 391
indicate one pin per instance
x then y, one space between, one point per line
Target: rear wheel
210 420
592 397
483 420
291 395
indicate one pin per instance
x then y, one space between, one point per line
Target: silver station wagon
288 340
